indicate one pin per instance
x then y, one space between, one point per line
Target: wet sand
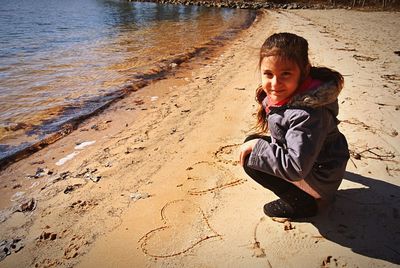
161 185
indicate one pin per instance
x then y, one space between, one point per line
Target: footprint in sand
208 177
391 77
80 207
282 241
331 261
73 248
185 226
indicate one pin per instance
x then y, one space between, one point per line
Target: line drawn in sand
226 154
259 252
183 221
213 174
210 173
172 239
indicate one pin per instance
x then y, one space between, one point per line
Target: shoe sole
280 219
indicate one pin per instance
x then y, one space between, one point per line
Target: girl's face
279 78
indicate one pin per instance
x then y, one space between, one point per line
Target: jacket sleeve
294 159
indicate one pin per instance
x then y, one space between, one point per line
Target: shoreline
164 69
256 5
158 184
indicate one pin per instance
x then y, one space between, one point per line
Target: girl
304 159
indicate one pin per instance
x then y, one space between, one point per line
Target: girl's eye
286 74
268 74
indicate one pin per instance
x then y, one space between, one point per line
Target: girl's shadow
365 219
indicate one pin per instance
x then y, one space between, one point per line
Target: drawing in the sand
179 233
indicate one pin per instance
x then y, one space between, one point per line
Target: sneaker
281 209
278 208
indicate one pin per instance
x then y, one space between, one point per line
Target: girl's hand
246 149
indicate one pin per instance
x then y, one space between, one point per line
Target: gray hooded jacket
305 141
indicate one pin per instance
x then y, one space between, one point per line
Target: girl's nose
274 81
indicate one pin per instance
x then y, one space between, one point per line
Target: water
62 59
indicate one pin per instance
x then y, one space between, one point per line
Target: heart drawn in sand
185 226
209 177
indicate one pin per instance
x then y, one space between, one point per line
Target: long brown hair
287 46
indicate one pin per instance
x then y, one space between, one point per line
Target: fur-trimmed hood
327 92
324 94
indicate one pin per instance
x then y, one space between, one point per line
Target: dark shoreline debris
71 188
89 174
40 172
27 206
10 246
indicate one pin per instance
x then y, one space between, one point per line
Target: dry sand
161 185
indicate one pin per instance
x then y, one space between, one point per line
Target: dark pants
282 188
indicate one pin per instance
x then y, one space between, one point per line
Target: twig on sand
373 155
352 161
388 170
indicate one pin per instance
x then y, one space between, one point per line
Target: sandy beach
154 180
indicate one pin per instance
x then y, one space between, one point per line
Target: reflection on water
56 54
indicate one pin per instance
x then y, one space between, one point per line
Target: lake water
64 59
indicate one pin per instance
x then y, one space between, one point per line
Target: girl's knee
252 137
257 136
